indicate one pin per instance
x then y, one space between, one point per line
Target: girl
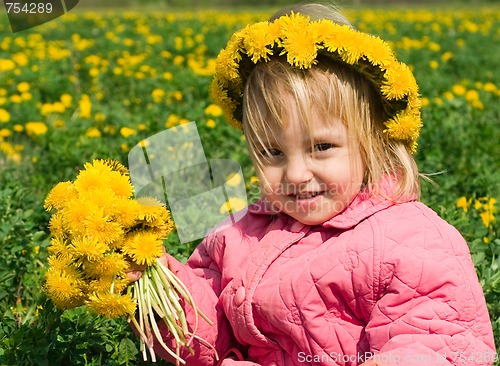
338 263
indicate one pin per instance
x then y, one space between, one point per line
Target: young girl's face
311 176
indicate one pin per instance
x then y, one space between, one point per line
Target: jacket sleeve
430 307
202 277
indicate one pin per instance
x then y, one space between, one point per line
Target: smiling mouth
307 195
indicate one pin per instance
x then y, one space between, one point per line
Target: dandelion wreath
98 228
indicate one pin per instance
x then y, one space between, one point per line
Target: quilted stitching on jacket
392 280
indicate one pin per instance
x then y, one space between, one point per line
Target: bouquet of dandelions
97 229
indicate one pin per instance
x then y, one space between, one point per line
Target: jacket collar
362 206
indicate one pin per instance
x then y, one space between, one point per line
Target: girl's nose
297 170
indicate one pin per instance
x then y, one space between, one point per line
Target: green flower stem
161 286
159 292
165 286
142 296
152 321
174 300
140 326
168 316
183 291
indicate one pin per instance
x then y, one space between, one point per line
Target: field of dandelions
91 85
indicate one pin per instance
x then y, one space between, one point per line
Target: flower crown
302 40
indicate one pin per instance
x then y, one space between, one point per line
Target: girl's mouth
307 195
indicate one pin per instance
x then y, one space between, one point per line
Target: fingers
134 270
134 275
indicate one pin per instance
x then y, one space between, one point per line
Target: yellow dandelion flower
95 175
117 245
93 132
88 248
487 217
144 247
458 89
116 166
220 96
36 128
477 104
150 209
59 263
213 110
233 205
60 195
463 203
63 288
353 47
176 95
99 227
66 100
127 132
120 184
233 179
211 123
4 116
471 95
433 64
58 248
6 65
103 198
101 284
158 95
56 225
403 127
478 204
76 212
125 211
108 284
327 33
88 180
23 87
448 95
446 56
256 40
111 305
299 41
379 53
398 82
110 265
226 66
490 87
491 205
85 107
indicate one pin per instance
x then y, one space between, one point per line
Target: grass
89 81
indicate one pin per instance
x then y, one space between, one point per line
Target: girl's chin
310 211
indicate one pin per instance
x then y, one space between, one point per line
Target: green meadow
92 85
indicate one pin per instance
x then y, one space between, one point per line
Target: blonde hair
330 89
315 11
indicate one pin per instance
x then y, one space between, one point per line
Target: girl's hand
134 271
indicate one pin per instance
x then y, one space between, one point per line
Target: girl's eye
270 153
323 146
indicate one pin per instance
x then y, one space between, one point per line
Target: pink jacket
389 281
